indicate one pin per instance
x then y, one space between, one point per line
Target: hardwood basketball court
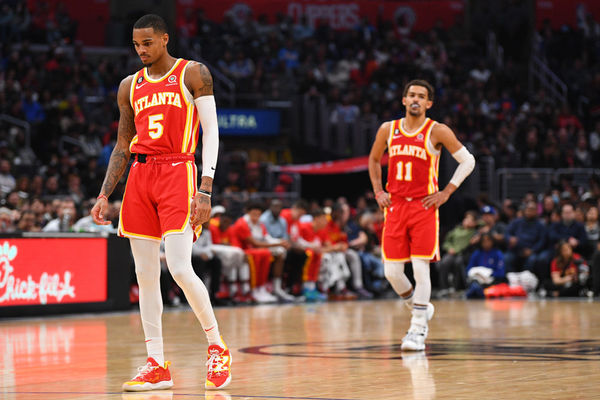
508 349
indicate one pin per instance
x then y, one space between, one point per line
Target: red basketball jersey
166 120
413 161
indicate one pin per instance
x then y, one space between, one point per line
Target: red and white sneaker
150 377
219 367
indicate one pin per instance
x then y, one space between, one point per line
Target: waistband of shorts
163 158
404 198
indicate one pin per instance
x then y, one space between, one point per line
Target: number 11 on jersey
404 171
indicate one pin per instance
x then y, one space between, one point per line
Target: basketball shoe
219 366
415 338
150 377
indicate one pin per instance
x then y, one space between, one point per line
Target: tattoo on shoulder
207 81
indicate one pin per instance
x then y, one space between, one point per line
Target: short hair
254 205
302 204
317 212
153 21
419 82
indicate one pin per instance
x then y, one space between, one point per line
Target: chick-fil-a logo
53 270
30 289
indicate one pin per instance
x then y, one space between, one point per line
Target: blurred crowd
51 171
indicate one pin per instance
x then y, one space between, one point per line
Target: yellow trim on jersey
194 130
182 84
133 141
433 173
188 126
391 134
415 133
133 83
164 76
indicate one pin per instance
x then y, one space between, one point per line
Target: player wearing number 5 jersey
412 198
161 107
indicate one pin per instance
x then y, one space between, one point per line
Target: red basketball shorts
158 195
312 266
259 261
410 230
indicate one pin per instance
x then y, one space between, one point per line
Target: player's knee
393 270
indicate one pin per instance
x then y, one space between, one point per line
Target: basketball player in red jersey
160 108
412 199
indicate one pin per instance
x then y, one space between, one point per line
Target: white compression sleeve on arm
466 163
207 111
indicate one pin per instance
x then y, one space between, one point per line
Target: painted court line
181 394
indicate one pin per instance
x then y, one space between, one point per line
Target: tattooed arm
199 81
120 154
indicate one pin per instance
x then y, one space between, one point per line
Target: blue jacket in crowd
531 234
559 231
493 259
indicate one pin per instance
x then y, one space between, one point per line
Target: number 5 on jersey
155 128
404 171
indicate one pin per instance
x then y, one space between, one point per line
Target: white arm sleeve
466 163
207 111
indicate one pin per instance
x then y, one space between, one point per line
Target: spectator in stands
569 230
306 238
275 224
87 224
456 246
569 272
233 259
67 215
490 226
485 268
369 249
7 223
207 265
352 230
526 238
7 180
252 235
28 223
277 228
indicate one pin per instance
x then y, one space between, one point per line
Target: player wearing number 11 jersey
412 198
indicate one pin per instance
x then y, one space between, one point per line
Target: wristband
205 192
102 196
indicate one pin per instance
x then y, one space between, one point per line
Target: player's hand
383 199
200 209
99 211
435 200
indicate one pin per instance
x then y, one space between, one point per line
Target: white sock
154 346
309 285
245 287
422 281
277 285
146 254
419 315
178 250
